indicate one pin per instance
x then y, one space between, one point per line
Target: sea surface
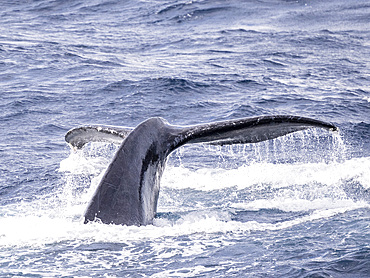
296 206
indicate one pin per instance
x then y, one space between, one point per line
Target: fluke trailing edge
128 192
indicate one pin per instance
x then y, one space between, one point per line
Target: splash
200 199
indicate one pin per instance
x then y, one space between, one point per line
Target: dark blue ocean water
298 206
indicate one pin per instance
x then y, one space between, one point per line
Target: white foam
296 204
275 175
40 230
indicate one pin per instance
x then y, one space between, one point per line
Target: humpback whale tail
128 192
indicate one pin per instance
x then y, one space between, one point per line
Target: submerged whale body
128 192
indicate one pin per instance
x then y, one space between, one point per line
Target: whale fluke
129 189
